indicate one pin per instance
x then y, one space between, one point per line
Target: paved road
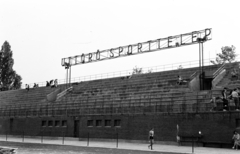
121 145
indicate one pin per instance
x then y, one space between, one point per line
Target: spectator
225 99
235 99
51 83
234 74
27 87
236 138
47 84
1 86
180 80
214 101
151 139
55 83
35 85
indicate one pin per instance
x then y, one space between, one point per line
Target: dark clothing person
52 84
47 84
35 85
27 87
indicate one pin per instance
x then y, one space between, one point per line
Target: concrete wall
194 84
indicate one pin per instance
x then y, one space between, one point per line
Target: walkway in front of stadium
121 145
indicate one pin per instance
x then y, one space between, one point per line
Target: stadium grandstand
130 105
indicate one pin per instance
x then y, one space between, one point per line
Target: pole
203 75
200 68
69 76
23 137
192 145
63 137
6 136
117 140
88 140
42 137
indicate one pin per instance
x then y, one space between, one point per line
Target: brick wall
214 126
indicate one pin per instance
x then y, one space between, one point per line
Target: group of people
52 83
27 87
229 98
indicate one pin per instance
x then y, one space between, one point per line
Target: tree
228 55
9 79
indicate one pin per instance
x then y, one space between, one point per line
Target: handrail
152 69
64 93
219 70
193 75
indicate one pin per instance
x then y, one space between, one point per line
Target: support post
192 145
23 137
203 74
69 75
63 137
117 140
42 137
200 67
88 140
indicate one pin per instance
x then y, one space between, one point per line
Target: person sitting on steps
180 80
234 74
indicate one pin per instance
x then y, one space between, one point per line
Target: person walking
151 138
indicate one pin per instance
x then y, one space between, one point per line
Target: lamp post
67 66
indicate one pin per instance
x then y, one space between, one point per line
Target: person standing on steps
151 138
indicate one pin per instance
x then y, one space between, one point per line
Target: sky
42 32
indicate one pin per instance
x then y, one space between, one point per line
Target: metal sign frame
139 48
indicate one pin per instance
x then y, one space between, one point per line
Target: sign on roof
139 48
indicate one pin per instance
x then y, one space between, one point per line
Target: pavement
120 145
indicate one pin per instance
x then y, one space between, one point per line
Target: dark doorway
207 83
76 128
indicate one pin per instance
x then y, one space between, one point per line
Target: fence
45 137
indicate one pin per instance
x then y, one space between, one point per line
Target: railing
152 69
219 70
60 95
194 75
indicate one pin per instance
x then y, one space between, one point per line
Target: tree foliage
227 54
9 79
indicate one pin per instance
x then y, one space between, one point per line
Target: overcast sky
42 32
